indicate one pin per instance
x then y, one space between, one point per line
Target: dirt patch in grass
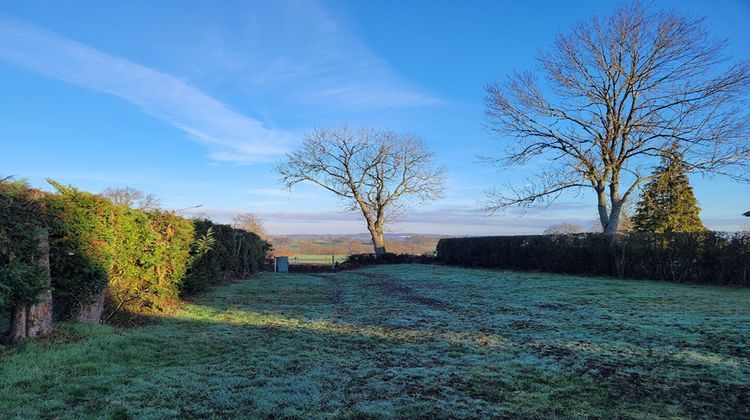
556 306
528 325
392 287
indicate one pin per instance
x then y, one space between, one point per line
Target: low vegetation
408 340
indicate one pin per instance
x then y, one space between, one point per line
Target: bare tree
377 172
563 229
131 197
618 93
250 223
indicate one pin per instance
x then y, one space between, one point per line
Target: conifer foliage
667 203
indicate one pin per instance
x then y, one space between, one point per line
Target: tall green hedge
146 259
21 222
699 257
142 259
82 230
222 252
153 255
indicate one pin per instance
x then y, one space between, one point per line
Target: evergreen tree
667 203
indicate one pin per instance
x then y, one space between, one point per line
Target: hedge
222 253
701 257
140 260
359 260
81 236
21 223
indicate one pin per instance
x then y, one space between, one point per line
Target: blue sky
195 101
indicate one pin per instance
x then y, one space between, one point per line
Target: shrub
700 257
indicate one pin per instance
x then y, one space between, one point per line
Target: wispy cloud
228 135
304 50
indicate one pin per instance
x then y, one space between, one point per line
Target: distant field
316 259
351 244
405 340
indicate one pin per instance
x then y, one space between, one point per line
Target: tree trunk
378 241
614 219
601 206
36 319
17 325
39 315
93 312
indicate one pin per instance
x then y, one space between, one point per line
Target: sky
194 101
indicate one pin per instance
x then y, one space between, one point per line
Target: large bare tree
377 172
615 94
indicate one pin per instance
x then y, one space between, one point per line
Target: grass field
404 340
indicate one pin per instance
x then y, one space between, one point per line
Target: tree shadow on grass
450 371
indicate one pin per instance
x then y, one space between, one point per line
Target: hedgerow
82 234
220 253
137 259
21 223
360 260
697 257
153 255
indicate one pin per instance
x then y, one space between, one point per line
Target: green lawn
404 340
